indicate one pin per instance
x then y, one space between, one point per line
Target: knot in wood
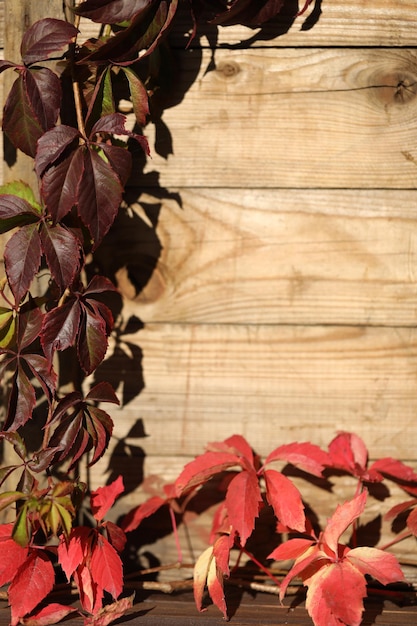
227 69
395 88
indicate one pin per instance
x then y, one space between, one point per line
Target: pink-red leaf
305 455
49 615
291 549
132 520
31 584
12 555
243 498
394 469
202 468
45 38
379 564
335 595
72 552
106 567
103 498
341 519
285 499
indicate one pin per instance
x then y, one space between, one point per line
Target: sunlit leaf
45 38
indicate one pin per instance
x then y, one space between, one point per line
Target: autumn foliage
62 111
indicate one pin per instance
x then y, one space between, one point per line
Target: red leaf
31 584
102 499
72 552
12 555
110 612
335 595
291 549
412 522
305 455
341 519
132 520
22 257
116 536
285 499
45 38
243 499
106 567
51 614
202 468
381 565
236 444
61 249
394 469
347 451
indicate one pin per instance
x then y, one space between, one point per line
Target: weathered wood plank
269 256
341 23
268 383
292 118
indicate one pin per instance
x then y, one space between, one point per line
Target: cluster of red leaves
326 566
89 556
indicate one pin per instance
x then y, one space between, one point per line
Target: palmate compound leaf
45 38
31 584
79 427
82 321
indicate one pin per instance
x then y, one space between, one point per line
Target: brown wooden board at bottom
179 610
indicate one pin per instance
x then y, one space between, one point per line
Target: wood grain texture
272 384
331 23
268 257
291 118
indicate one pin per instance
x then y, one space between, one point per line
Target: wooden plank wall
271 289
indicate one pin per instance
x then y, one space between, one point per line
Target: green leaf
21 530
7 330
21 190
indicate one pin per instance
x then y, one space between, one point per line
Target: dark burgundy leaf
52 144
42 371
99 195
61 182
92 341
32 107
29 327
15 211
102 392
6 65
249 13
112 11
140 38
60 328
22 400
22 256
62 252
45 38
99 284
99 426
